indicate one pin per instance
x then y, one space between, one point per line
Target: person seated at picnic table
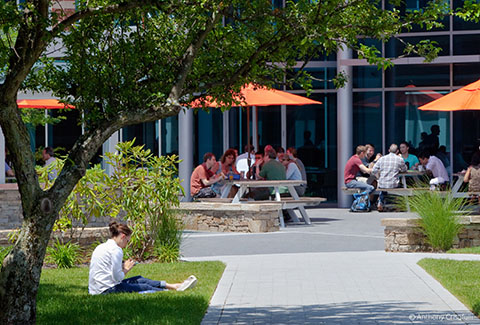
9 171
292 154
293 173
227 168
353 167
388 167
242 161
253 171
472 175
369 160
280 153
434 168
204 176
410 160
271 170
107 271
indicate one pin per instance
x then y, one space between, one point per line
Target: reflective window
395 48
460 24
169 135
311 129
404 121
367 77
465 73
418 75
237 120
65 133
466 44
269 126
143 133
367 119
209 134
321 78
412 5
369 42
465 143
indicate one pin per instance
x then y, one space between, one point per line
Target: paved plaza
333 272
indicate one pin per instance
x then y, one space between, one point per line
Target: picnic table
295 202
415 174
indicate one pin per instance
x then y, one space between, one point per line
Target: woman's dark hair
119 228
476 159
229 152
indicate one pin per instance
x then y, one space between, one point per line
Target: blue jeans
137 284
360 185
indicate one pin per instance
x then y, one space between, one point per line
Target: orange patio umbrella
42 103
258 95
466 98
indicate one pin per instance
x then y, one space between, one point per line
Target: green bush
4 252
438 216
64 255
147 189
167 253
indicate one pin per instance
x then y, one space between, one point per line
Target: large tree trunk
21 269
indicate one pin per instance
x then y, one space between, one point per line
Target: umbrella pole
249 160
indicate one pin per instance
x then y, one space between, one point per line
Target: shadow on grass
57 304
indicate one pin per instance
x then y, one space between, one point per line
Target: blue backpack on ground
361 202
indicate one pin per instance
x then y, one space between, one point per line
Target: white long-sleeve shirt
106 268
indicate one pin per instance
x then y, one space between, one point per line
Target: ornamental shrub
438 217
64 256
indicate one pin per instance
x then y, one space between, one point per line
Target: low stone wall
404 235
10 208
228 217
84 238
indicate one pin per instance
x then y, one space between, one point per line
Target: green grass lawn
467 250
63 297
461 278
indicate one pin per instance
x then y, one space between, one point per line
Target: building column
344 125
110 146
226 131
185 149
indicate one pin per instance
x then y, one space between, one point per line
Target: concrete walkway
296 276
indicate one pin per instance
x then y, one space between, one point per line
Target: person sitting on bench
353 166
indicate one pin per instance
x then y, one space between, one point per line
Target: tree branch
189 56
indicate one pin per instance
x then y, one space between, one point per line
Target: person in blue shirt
410 160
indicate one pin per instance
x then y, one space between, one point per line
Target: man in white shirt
435 167
242 160
47 156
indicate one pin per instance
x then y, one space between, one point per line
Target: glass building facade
384 109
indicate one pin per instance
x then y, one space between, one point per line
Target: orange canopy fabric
42 103
256 95
466 98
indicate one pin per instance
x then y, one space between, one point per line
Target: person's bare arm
466 178
365 169
213 180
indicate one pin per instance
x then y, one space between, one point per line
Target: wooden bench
400 191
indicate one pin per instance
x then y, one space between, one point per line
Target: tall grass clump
438 214
65 256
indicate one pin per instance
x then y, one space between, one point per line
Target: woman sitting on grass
107 272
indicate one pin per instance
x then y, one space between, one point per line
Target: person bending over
107 273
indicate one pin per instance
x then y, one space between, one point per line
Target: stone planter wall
10 208
403 234
228 217
86 238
